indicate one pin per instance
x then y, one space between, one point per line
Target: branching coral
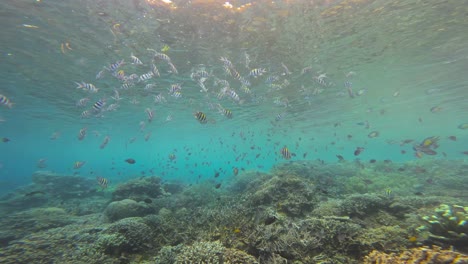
212 252
423 255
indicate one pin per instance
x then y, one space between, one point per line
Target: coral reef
448 224
61 186
291 194
302 239
423 255
128 235
19 224
139 189
126 208
211 252
301 212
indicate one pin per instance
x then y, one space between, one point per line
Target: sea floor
299 212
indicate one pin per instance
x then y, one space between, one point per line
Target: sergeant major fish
5 101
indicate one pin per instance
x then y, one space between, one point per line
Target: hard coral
128 235
139 189
212 252
423 255
290 194
448 224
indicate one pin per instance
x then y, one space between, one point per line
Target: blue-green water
343 69
408 58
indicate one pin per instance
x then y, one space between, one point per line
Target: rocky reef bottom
300 212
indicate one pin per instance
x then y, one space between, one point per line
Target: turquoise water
408 58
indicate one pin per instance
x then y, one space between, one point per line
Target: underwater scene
241 131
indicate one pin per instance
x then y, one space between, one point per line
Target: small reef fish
373 134
78 164
130 161
463 126
104 142
285 153
5 101
453 138
257 72
340 158
201 117
82 133
172 157
235 171
155 70
135 60
165 48
82 102
358 151
87 87
115 66
150 114
430 142
173 68
5 140
226 112
161 56
41 163
147 136
388 192
103 182
436 109
54 135
98 105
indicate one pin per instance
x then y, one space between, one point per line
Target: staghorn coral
299 240
422 255
212 252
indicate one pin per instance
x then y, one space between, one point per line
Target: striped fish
201 117
162 56
145 77
114 66
82 133
98 105
87 86
227 113
103 182
135 60
173 68
257 72
85 114
155 70
285 153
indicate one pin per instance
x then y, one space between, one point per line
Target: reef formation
300 212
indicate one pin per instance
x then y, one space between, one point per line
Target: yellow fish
166 48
